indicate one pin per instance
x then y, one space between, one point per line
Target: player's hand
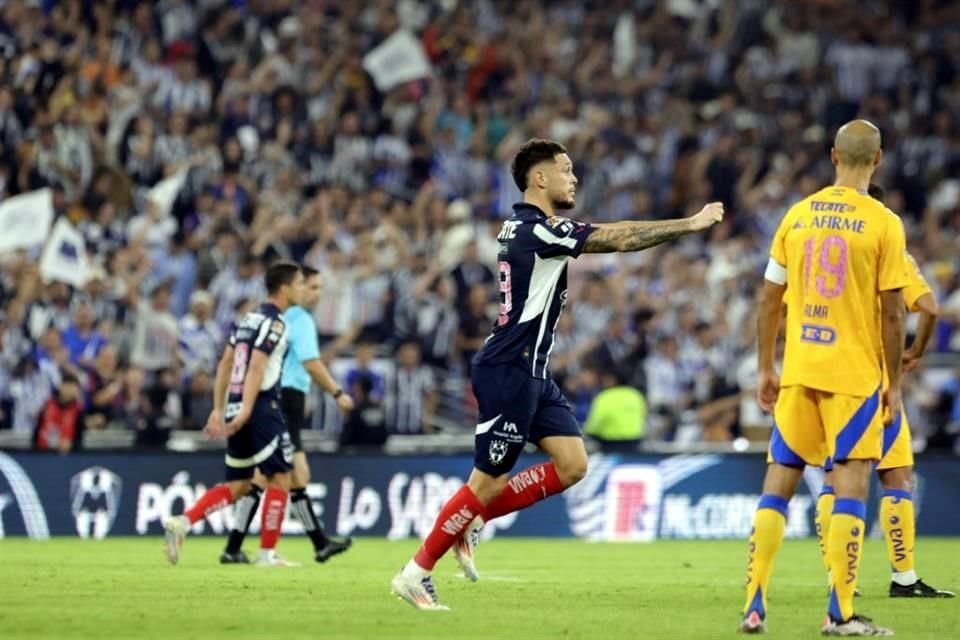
214 427
910 361
235 425
345 402
710 215
768 388
892 404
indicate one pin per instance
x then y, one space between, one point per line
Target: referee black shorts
294 405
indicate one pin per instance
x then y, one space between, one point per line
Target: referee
302 362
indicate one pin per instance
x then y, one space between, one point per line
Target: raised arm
632 235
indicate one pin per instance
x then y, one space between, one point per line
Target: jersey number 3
831 261
506 297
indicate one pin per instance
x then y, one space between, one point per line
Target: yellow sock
822 520
769 522
900 532
845 548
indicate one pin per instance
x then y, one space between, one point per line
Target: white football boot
419 592
465 550
175 529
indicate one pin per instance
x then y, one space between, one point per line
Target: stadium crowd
395 195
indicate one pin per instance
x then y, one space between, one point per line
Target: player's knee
280 481
573 470
239 488
485 486
900 478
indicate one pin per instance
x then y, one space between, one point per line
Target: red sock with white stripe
454 518
214 499
271 518
524 489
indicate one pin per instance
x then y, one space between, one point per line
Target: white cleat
273 559
465 550
175 529
858 626
420 593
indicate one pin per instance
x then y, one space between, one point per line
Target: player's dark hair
279 274
308 272
876 192
532 153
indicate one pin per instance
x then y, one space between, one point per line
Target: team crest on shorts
498 451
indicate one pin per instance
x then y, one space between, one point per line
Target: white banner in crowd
398 59
164 193
65 256
25 220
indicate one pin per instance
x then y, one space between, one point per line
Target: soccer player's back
837 261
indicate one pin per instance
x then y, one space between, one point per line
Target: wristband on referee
336 394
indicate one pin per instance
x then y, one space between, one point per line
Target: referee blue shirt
302 346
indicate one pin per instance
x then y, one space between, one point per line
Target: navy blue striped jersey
532 264
262 329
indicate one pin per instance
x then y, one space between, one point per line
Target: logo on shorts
498 451
510 427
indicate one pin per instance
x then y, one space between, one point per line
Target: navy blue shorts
515 407
263 442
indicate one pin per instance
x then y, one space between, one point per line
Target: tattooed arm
636 236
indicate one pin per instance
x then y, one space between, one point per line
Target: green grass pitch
529 589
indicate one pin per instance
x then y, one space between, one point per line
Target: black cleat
333 547
234 558
918 589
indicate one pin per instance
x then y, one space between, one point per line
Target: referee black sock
243 513
302 508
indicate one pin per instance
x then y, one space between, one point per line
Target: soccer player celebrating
518 401
896 466
246 394
301 363
838 255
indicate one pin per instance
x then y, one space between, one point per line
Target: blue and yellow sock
822 520
845 549
769 522
900 532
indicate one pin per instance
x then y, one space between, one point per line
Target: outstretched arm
636 236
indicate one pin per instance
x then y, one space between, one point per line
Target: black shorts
294 405
515 407
262 442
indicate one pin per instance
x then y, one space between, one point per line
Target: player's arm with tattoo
639 235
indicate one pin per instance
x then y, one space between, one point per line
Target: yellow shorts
811 425
897 446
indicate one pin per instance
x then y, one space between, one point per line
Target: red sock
524 489
459 511
271 519
214 499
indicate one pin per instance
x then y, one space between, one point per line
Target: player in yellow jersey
896 466
837 261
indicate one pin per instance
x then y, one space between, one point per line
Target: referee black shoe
918 589
234 558
333 547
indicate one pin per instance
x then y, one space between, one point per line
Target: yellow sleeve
893 264
917 286
778 248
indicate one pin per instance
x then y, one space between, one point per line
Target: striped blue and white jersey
532 266
260 330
